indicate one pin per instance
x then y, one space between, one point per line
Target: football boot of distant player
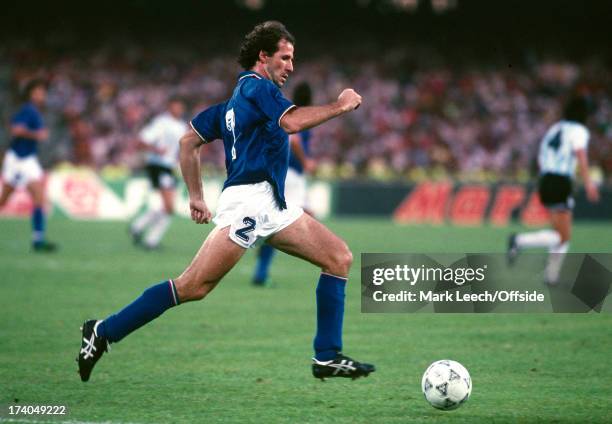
512 251
44 247
341 366
136 237
92 349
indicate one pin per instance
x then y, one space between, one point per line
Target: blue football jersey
256 147
30 118
294 162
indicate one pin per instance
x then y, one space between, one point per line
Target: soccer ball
446 384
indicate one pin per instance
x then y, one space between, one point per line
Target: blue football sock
38 225
330 313
153 302
264 260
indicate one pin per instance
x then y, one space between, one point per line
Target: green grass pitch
243 354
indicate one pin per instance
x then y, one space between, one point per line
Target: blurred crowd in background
424 115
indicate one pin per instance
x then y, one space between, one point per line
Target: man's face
280 64
176 108
38 95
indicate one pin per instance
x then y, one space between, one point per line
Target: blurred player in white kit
160 140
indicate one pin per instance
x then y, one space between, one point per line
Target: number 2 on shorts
241 233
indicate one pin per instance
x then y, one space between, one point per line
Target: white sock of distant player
144 220
556 255
158 229
542 238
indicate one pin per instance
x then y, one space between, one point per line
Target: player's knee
347 258
168 207
341 261
564 235
38 200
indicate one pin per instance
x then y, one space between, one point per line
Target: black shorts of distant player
161 177
556 192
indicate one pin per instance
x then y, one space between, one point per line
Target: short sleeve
579 138
271 101
28 118
207 124
150 133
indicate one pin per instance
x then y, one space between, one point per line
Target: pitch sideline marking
16 420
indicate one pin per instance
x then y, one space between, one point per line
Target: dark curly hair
26 92
264 37
302 94
576 109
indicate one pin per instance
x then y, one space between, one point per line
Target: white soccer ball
446 384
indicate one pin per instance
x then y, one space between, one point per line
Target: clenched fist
349 100
199 212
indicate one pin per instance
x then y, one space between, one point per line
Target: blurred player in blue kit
300 163
21 168
253 125
160 140
564 145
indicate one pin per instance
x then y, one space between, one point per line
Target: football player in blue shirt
253 125
300 163
21 168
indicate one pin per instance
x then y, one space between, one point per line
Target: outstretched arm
189 156
583 165
302 118
18 130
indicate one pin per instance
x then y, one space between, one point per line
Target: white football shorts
295 188
19 172
252 213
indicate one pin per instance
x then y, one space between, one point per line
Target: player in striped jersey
564 145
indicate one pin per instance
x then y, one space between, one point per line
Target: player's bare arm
297 149
302 118
189 156
150 148
21 131
589 186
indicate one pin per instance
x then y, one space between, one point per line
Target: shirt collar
247 74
